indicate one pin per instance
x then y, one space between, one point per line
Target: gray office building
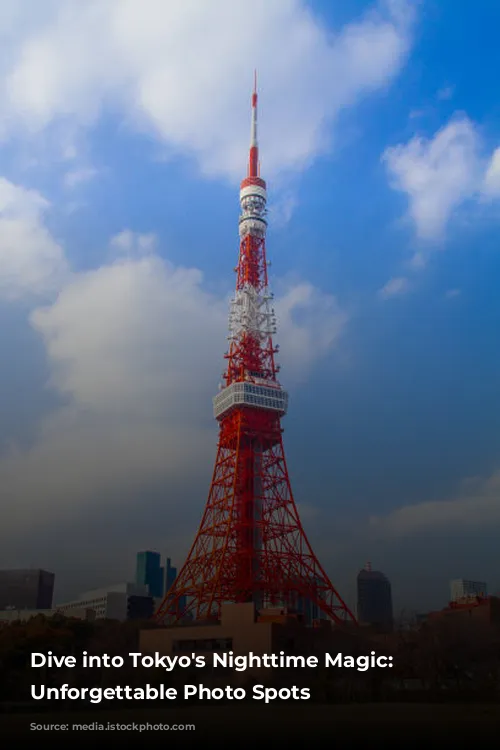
26 589
374 599
464 589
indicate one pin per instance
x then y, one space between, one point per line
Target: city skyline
149 565
380 154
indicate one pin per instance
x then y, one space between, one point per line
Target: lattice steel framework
251 545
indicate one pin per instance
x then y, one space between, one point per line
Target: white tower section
251 314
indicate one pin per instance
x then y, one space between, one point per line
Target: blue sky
119 172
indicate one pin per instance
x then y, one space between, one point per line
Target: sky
124 128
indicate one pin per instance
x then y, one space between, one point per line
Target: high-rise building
374 599
149 572
462 589
26 589
123 601
170 574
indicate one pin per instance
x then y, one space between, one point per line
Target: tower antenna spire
251 546
253 158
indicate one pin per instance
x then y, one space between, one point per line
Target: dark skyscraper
170 574
149 572
26 589
374 599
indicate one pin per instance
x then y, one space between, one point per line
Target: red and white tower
250 545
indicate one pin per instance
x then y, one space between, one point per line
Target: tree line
453 659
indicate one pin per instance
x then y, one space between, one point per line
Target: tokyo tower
250 546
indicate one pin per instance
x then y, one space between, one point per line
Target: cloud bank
179 72
132 351
476 505
132 345
32 263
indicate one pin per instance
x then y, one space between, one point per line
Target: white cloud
135 335
136 57
491 185
79 176
309 324
281 210
477 505
453 293
394 287
441 173
130 244
437 174
31 261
